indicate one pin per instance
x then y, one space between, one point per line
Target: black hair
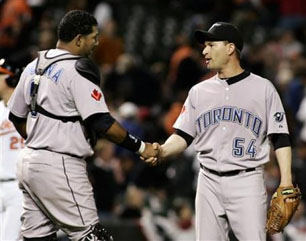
75 22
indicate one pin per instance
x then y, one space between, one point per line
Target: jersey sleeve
186 120
17 102
276 115
88 97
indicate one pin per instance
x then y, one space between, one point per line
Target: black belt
229 173
63 153
8 180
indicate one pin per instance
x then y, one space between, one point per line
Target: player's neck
67 46
230 70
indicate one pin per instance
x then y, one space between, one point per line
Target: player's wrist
132 143
285 182
142 148
162 153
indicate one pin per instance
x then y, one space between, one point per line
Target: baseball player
11 143
59 109
231 117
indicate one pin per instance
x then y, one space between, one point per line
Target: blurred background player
11 143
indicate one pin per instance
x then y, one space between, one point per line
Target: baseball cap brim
202 36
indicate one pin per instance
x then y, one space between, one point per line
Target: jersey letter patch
96 95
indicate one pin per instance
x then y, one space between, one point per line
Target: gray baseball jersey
230 121
62 92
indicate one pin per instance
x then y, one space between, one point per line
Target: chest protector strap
43 63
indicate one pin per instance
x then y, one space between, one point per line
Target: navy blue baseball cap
221 31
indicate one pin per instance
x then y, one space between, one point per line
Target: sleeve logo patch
279 116
96 94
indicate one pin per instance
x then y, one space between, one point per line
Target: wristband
131 143
141 148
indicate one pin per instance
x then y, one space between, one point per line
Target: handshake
152 154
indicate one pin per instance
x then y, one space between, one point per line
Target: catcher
284 203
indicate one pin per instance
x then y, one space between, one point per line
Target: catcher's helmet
13 70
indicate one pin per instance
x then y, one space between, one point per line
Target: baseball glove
281 209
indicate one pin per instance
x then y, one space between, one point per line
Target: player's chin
88 55
210 66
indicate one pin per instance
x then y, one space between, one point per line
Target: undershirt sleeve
280 140
188 138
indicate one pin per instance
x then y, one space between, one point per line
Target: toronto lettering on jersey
231 114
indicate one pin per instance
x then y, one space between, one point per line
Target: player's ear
78 40
231 48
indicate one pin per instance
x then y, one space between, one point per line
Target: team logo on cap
96 94
279 116
215 25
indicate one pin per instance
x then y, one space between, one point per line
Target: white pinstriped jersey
62 92
230 122
10 144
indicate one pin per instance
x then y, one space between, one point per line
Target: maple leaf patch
96 94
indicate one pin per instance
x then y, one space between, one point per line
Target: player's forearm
174 145
284 158
21 129
116 133
20 124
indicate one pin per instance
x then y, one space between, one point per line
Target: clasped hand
152 154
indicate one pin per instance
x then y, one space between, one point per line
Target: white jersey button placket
226 93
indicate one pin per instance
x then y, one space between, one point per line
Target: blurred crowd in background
149 60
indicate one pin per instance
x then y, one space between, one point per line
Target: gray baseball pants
57 195
239 201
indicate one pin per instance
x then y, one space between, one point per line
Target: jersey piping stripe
72 193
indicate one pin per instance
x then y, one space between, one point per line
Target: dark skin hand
157 156
149 152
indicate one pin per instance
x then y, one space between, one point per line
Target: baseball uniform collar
235 79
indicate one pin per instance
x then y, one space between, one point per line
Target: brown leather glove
281 211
